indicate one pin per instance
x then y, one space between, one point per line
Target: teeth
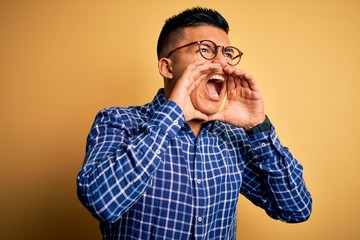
218 77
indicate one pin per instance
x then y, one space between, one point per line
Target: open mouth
215 85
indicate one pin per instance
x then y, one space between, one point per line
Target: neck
195 126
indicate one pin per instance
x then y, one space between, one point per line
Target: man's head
192 40
173 27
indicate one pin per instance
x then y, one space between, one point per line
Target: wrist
264 126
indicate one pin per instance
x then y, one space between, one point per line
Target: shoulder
122 116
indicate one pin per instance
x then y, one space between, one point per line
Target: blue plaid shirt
146 176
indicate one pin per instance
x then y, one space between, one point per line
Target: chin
206 103
209 96
208 107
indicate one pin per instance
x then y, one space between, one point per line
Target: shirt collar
158 100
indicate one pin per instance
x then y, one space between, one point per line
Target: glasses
208 50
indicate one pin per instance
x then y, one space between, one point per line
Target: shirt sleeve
120 163
273 179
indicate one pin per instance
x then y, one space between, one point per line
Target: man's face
209 94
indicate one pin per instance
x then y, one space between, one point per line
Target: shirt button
263 144
176 122
198 181
158 151
199 219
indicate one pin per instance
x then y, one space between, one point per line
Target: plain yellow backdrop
63 61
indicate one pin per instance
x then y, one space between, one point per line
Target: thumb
197 115
217 116
200 116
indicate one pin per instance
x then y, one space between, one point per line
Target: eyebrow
204 44
229 49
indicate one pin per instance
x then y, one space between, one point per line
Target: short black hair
196 16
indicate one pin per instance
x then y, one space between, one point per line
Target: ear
165 68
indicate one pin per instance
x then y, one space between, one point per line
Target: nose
220 58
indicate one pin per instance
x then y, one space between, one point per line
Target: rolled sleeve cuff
169 118
265 144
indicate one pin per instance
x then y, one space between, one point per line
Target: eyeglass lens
209 49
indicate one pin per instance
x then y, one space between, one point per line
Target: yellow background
63 61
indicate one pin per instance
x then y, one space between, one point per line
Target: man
174 168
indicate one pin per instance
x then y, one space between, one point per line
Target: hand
191 77
244 106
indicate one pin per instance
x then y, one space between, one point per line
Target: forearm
118 167
281 190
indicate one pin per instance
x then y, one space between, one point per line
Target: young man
174 168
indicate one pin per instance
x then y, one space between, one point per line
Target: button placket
200 189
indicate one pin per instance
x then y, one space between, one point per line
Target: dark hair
196 16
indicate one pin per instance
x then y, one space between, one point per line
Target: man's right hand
189 80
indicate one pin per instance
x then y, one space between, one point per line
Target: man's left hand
244 106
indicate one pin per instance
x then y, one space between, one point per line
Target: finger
199 70
238 80
229 70
244 81
235 74
204 65
251 81
247 80
195 72
230 82
207 68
